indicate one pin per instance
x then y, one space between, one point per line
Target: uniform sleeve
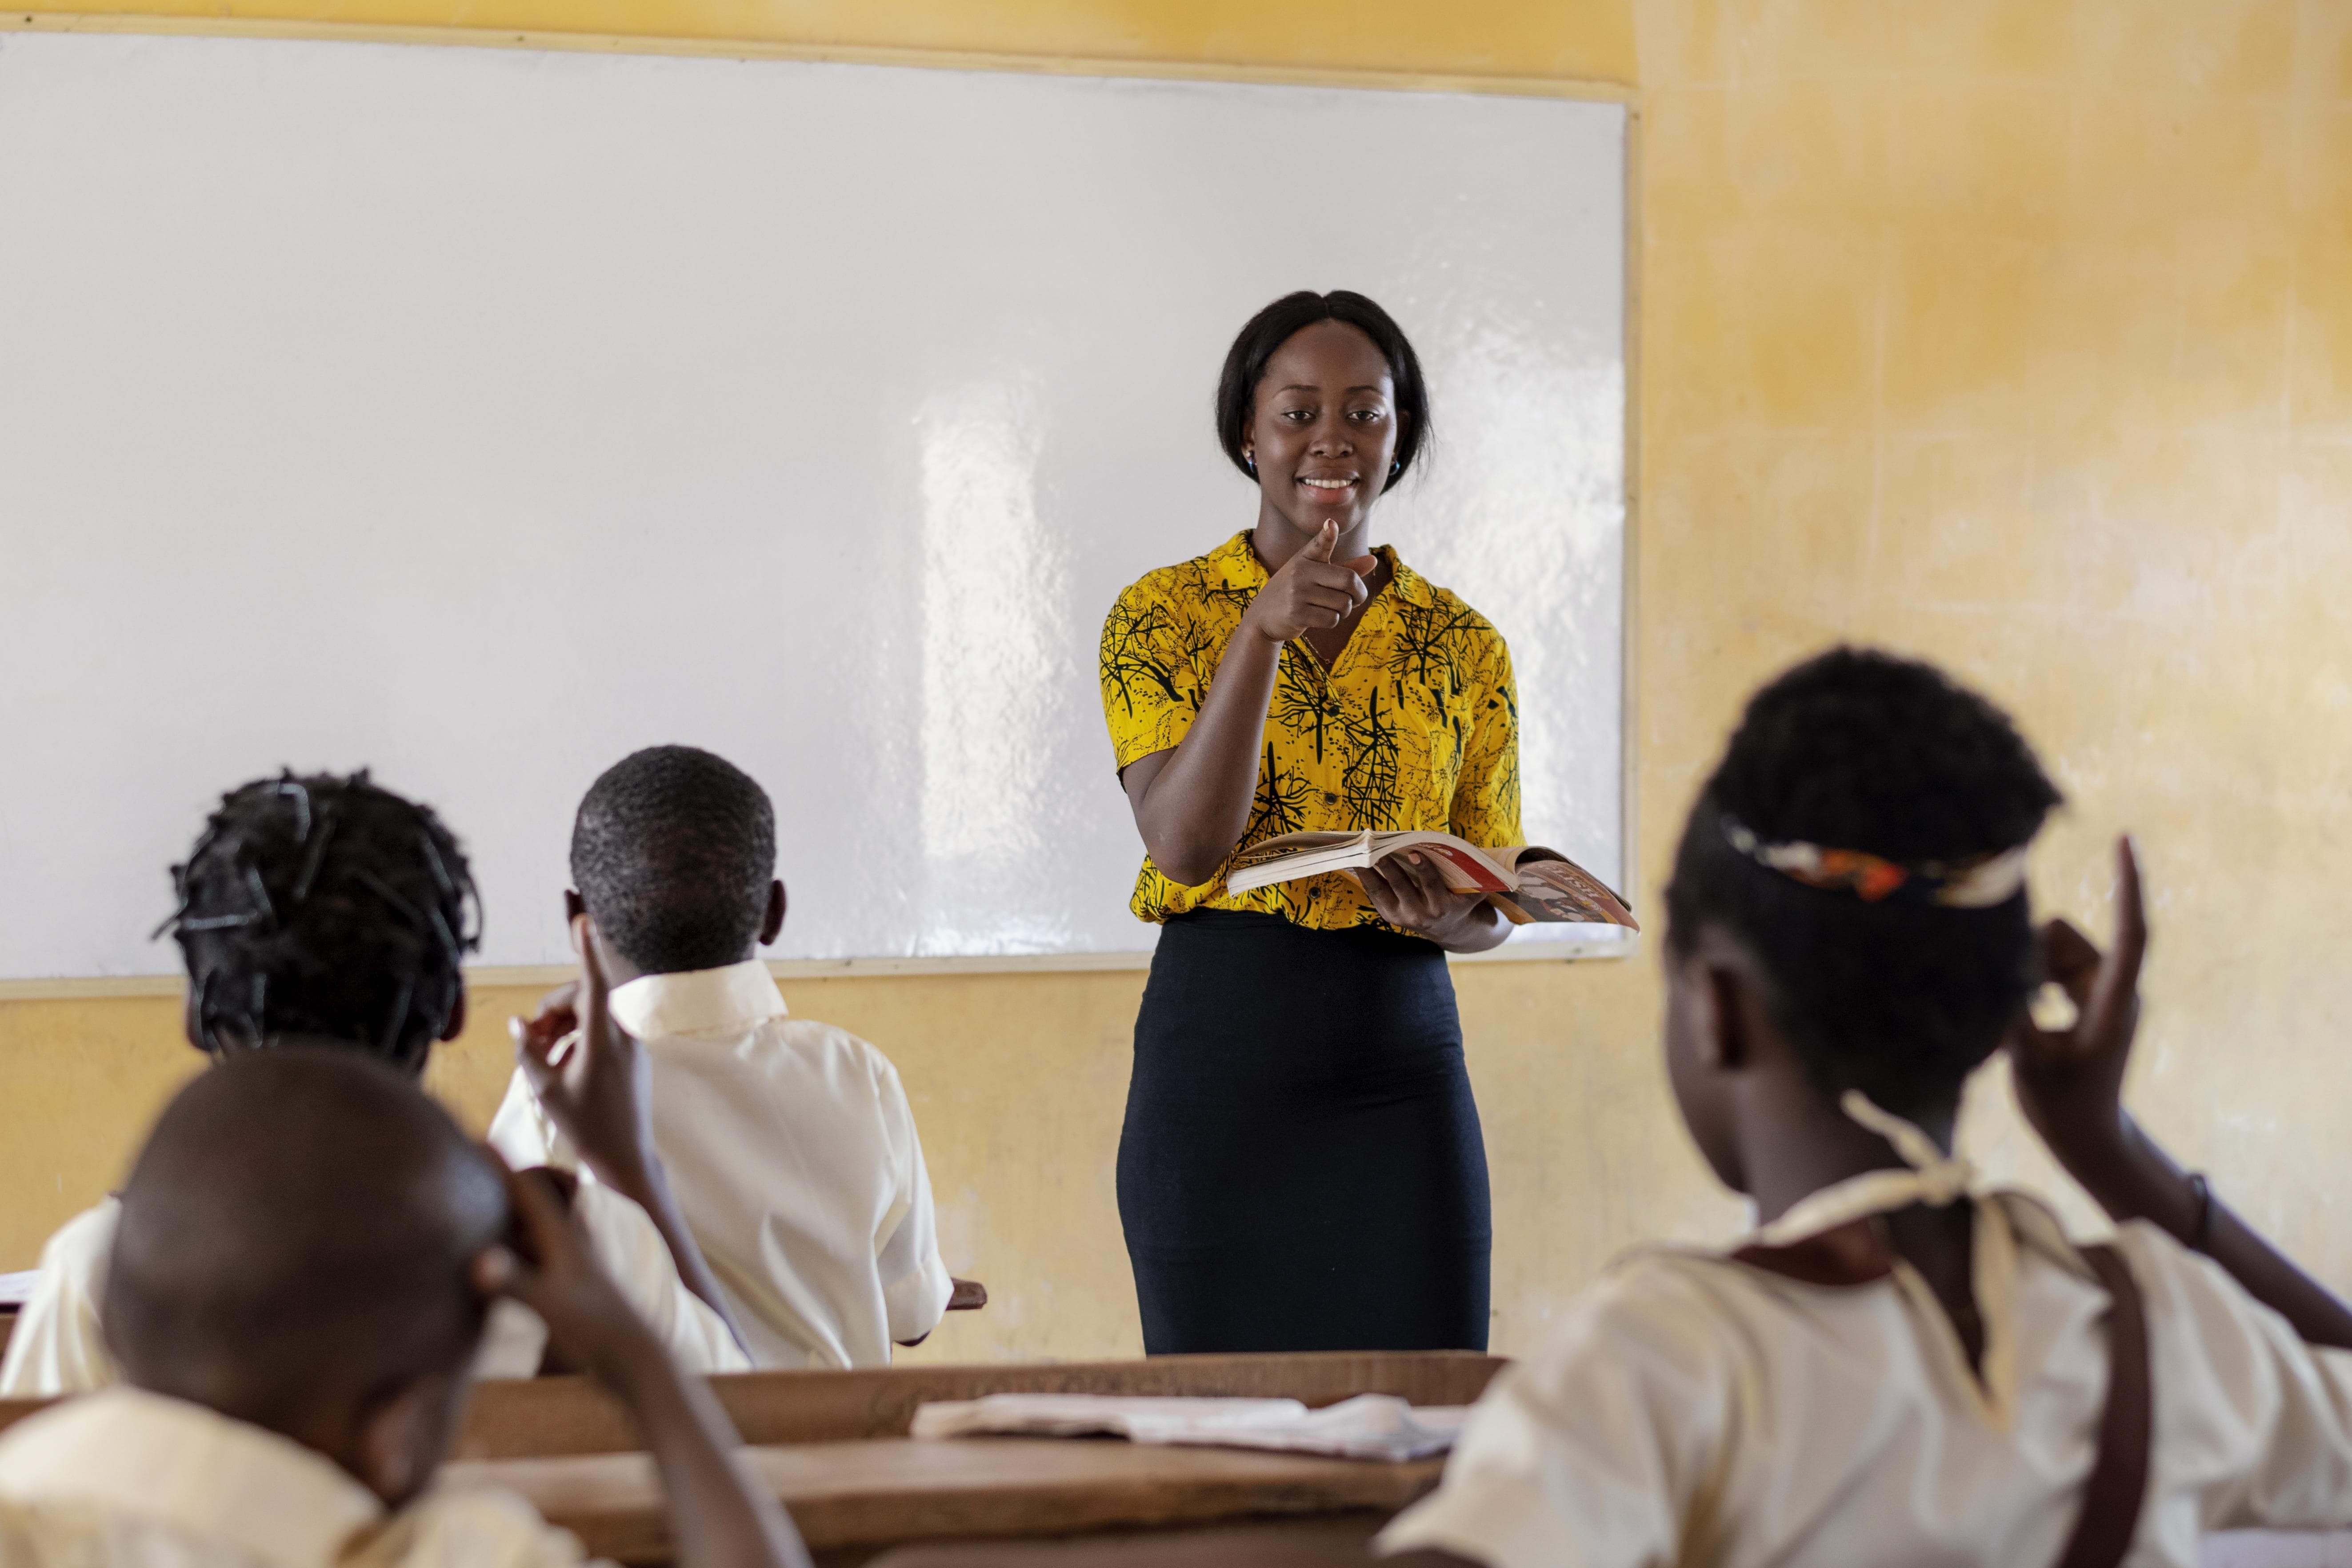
915 1281
2255 1423
58 1347
1592 1453
630 1247
525 1135
468 1527
1485 807
1151 691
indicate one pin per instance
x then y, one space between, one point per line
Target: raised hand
590 1073
2070 1081
2070 1085
595 1082
1311 593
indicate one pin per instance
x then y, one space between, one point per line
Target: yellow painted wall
2015 331
1590 39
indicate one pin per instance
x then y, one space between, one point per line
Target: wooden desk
555 1416
833 1445
852 1500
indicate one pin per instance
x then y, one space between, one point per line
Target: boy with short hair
294 1376
327 910
789 1144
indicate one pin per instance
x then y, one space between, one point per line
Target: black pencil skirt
1301 1167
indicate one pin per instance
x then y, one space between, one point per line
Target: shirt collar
735 999
135 1454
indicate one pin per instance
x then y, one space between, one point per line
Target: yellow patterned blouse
1416 726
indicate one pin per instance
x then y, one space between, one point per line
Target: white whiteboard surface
481 415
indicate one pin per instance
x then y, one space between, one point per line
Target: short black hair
325 908
1857 749
299 1229
1276 325
673 852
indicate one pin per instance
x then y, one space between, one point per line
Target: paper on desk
1369 1426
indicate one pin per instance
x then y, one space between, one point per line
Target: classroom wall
2014 332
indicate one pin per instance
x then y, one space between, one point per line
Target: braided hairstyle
326 908
1863 749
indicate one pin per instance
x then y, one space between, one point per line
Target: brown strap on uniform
2119 1478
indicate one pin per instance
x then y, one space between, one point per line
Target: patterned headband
1976 883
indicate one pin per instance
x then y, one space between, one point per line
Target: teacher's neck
1277 539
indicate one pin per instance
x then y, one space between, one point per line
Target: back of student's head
296 1236
673 853
1897 994
324 908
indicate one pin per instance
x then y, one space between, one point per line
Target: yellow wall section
1586 39
2015 331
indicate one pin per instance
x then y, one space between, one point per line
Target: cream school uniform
59 1348
1703 1408
131 1479
794 1154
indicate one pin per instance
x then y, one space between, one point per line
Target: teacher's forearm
1195 809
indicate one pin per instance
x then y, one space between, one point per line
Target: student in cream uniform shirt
349 871
789 1143
1892 1370
292 1381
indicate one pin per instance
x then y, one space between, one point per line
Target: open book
1525 883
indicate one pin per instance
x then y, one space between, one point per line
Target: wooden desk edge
1077 1488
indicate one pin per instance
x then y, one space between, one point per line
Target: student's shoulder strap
2119 1479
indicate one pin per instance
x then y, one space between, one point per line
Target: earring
1250 460
1396 467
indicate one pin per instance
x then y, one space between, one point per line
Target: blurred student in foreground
293 1373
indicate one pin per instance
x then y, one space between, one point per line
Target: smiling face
1323 430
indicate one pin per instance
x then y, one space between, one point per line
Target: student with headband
1893 1368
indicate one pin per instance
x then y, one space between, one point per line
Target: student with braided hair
326 911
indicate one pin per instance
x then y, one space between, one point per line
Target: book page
1289 843
1559 889
1467 867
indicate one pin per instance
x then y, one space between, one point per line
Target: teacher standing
1301 1166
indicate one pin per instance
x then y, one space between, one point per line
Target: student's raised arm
599 1097
2070 1085
718 1518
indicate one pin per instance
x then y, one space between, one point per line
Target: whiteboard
480 416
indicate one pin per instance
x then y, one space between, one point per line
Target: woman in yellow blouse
1301 1166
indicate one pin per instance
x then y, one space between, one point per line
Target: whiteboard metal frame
1579 89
